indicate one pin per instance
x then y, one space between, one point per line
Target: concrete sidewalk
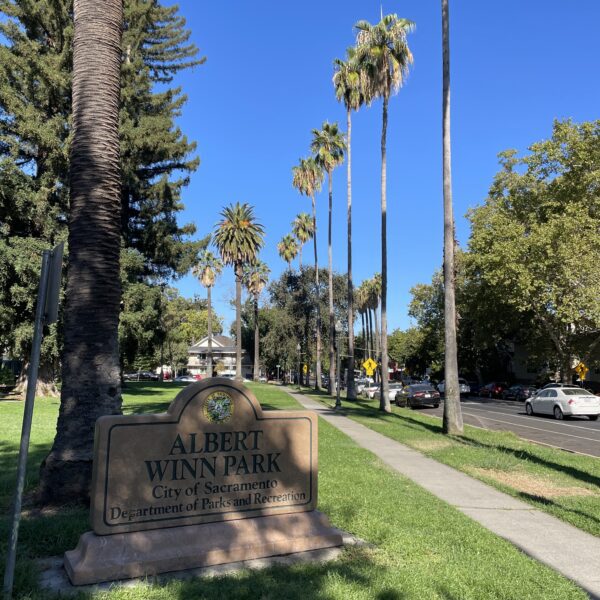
565 548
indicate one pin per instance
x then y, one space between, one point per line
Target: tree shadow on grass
534 499
301 581
146 408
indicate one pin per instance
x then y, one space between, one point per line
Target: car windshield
576 392
421 387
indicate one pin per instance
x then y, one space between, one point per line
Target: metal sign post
46 312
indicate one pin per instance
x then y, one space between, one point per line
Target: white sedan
463 386
564 402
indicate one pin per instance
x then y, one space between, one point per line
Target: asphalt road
578 434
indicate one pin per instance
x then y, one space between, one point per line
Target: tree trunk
332 340
377 333
318 301
453 422
238 322
45 387
370 332
351 391
384 401
91 385
364 336
256 340
300 258
209 368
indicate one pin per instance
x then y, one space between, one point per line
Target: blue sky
266 84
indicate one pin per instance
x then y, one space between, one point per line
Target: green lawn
421 548
561 483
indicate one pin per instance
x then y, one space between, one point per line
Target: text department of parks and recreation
215 462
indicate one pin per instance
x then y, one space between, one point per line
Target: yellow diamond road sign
305 369
369 366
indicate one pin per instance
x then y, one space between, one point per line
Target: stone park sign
215 479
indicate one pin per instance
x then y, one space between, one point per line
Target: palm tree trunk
209 369
318 300
331 386
364 336
453 422
238 322
350 392
90 361
256 340
370 331
300 257
384 401
377 332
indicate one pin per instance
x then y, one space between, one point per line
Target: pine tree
35 105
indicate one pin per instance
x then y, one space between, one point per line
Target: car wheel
593 417
436 406
558 413
529 409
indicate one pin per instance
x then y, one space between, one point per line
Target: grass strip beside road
563 484
420 546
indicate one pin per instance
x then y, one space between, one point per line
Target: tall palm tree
453 422
307 178
206 270
374 302
256 276
348 89
362 298
90 361
384 56
238 237
288 249
328 146
303 230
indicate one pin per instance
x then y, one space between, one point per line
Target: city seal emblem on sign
218 407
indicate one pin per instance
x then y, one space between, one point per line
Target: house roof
220 344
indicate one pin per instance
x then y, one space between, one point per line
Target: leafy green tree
536 239
328 146
452 422
384 57
35 107
307 178
256 277
238 238
302 228
206 270
288 249
290 318
348 86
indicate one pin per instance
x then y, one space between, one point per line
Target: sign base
100 558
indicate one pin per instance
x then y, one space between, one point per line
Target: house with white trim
223 354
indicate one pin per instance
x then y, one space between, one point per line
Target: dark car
141 376
474 386
519 392
493 389
418 394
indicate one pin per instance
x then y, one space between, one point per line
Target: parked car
519 392
558 384
185 379
395 387
474 386
361 382
262 379
493 389
370 391
564 402
140 376
463 386
418 394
